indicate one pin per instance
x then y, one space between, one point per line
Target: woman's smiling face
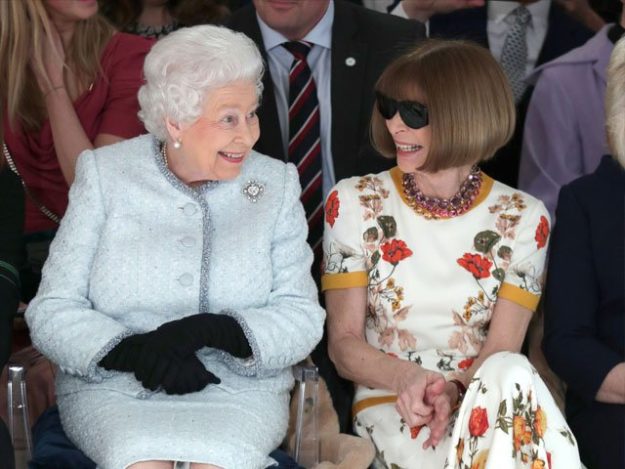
220 139
412 145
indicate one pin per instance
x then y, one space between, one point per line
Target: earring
177 144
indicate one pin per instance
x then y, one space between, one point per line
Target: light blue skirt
233 430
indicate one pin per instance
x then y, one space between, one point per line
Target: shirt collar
320 35
498 10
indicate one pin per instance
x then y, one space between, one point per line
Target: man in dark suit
351 46
362 43
560 33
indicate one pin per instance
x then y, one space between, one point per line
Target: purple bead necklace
438 207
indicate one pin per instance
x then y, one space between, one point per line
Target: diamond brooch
253 190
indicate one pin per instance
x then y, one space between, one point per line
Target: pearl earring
177 144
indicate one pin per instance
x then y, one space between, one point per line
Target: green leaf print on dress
382 248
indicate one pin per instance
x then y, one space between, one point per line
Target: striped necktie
304 139
514 52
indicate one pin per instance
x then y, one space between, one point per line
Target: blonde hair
23 25
470 105
615 102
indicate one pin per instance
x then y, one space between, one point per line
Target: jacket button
189 209
185 280
187 241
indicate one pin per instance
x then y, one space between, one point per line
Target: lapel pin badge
350 61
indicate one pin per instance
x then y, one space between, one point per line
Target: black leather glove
123 357
175 375
187 335
154 369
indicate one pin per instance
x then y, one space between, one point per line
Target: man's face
292 18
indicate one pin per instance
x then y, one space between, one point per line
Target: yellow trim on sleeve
345 280
370 402
519 296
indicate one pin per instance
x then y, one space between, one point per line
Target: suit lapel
349 56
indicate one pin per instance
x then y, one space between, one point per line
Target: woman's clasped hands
426 398
165 358
157 368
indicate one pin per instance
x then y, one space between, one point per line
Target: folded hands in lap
158 369
165 358
425 398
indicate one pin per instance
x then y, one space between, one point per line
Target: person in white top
432 271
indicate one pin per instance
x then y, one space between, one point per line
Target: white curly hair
184 66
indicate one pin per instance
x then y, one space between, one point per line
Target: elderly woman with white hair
178 291
584 339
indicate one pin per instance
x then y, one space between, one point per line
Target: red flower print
478 265
332 207
548 459
542 233
478 422
395 251
466 363
414 431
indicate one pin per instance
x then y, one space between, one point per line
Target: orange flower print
414 431
540 422
538 464
542 233
395 251
478 422
332 207
478 265
480 461
520 432
466 363
459 451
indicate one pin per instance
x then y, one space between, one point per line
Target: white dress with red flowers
432 287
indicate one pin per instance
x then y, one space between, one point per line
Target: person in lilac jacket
564 135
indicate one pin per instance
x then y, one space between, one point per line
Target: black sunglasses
414 114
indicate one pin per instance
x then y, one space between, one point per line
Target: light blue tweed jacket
137 248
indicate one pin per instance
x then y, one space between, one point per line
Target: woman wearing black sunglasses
432 273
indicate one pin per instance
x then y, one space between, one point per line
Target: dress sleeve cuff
344 280
519 296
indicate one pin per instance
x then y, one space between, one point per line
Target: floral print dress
432 287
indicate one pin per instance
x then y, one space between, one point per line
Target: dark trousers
6 450
600 433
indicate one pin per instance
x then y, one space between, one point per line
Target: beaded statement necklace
438 207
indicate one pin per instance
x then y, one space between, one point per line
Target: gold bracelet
53 89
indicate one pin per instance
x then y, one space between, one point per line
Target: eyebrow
237 107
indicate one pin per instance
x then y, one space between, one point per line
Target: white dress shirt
320 62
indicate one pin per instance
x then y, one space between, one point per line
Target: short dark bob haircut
470 104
